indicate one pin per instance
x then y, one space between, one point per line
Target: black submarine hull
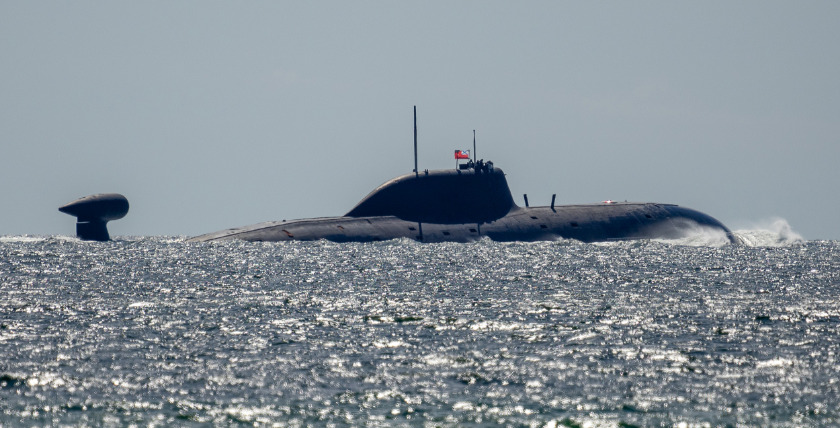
465 205
586 223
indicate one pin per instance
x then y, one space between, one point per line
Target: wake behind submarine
472 201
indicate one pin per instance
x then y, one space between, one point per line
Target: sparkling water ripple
157 331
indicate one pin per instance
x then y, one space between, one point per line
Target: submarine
93 212
473 201
465 205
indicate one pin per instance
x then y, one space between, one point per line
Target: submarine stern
93 212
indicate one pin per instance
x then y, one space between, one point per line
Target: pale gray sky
209 115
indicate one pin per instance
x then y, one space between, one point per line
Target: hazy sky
208 115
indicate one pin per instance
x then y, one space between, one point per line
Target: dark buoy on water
94 212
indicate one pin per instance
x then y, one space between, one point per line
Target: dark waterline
159 331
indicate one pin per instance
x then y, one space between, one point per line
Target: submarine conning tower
457 196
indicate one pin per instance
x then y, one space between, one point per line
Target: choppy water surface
158 331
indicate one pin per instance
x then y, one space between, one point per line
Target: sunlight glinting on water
156 330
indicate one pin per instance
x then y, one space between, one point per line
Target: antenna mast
475 156
416 173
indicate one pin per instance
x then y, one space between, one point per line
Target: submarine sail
445 197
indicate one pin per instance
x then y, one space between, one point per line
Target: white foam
700 236
774 232
141 305
25 238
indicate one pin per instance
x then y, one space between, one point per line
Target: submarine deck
583 222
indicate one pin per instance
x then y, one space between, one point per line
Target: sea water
156 331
